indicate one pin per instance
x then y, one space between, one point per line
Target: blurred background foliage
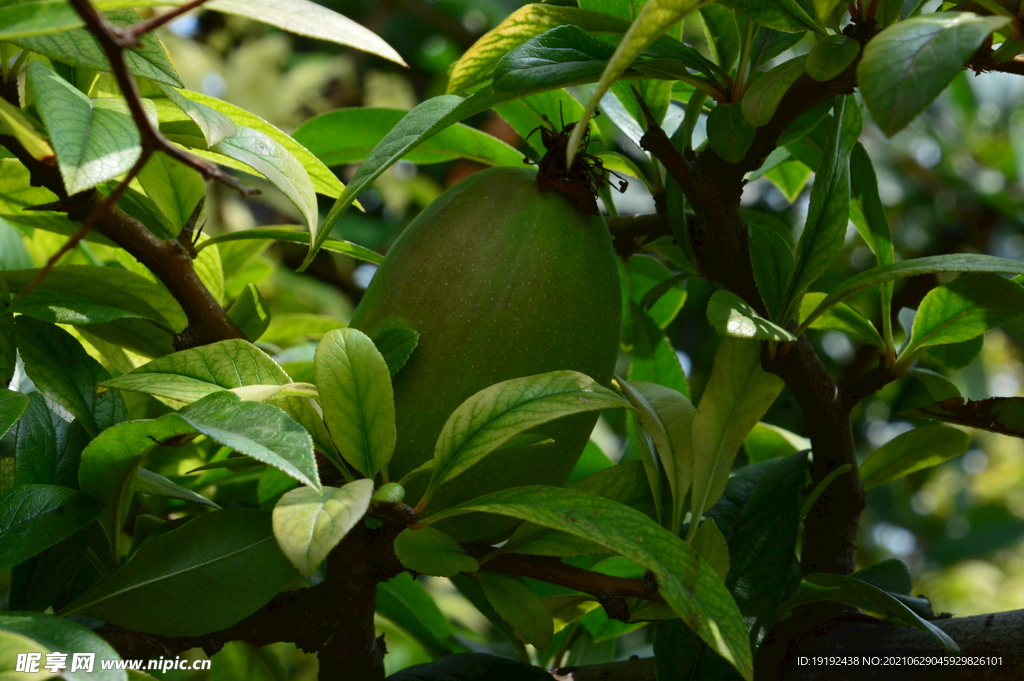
952 182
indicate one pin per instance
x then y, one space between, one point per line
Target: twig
110 39
130 36
88 223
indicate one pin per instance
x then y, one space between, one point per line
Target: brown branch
129 37
110 39
554 571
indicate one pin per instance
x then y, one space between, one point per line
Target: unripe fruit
501 281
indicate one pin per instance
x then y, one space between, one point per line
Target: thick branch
557 572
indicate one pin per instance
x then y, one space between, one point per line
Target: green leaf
781 15
175 188
494 415
710 544
763 97
955 262
766 441
851 591
790 177
305 18
250 313
200 106
348 135
432 552
215 125
193 374
276 163
831 55
914 450
35 517
828 215
8 346
109 462
204 576
522 609
12 406
84 294
405 602
95 139
357 399
61 635
687 583
13 121
79 48
61 368
737 395
24 19
732 316
396 342
998 414
659 364
965 308
477 63
148 482
292 235
771 258
729 133
842 318
566 54
308 524
722 33
290 329
12 646
261 431
470 666
654 20
49 444
645 276
667 417
956 356
907 65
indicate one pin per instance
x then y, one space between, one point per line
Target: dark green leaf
201 577
914 450
405 602
472 667
830 57
763 97
35 517
396 341
12 406
842 318
57 634
84 294
828 215
781 15
965 308
907 65
561 55
432 552
250 313
790 177
61 368
956 355
49 446
522 609
292 235
772 261
729 133
723 35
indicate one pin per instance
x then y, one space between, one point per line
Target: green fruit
501 281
